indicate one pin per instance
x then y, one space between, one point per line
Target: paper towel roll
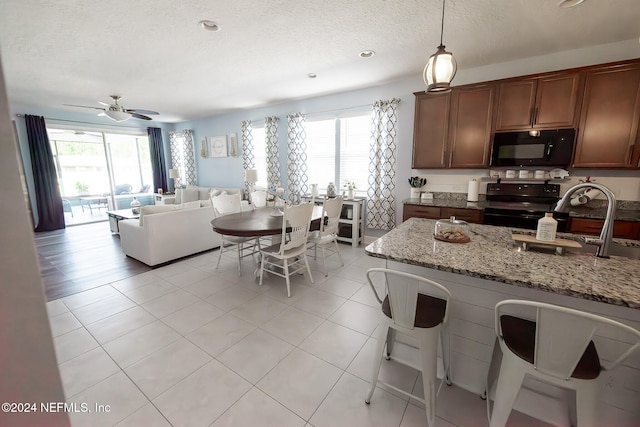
472 193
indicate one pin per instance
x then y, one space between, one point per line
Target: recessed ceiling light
367 54
209 25
312 75
569 3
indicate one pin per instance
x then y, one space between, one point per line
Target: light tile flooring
186 344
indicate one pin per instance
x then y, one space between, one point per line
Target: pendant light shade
441 67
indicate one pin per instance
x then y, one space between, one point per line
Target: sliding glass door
98 171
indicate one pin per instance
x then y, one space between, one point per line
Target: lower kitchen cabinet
622 229
437 212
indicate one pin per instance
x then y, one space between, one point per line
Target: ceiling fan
117 112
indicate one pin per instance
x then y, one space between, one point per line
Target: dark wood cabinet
469 215
622 229
545 102
470 124
430 130
608 128
436 212
453 130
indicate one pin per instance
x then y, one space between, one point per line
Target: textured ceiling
153 53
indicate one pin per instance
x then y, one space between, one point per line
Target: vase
415 193
350 194
331 190
135 206
314 190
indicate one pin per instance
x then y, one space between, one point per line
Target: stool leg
377 361
429 357
391 339
509 382
586 398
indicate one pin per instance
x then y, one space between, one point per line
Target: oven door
521 219
535 148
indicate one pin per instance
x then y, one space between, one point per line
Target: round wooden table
257 223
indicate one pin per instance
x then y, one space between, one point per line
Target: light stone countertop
493 255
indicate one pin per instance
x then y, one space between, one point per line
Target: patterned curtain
247 151
297 158
182 155
381 206
273 158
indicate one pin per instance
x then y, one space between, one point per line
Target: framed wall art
218 146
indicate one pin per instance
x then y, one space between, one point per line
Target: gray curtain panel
297 158
381 206
248 157
273 158
183 155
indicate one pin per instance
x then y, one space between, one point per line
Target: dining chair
290 254
556 346
258 198
226 204
417 307
327 236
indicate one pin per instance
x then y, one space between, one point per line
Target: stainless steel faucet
604 242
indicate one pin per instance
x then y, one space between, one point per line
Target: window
338 151
260 156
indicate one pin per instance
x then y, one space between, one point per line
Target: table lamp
251 177
175 175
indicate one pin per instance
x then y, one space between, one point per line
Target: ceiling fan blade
83 106
139 116
104 103
139 111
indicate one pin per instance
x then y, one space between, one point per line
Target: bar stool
421 316
556 347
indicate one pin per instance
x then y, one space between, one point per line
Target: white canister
415 193
547 226
314 190
523 174
472 192
510 174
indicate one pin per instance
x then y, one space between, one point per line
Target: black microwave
533 148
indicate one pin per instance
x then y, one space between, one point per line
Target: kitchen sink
632 252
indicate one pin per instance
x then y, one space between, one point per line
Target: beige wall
27 358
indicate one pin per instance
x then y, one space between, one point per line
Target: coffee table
119 215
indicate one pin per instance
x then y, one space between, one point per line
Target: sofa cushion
205 203
191 205
189 195
203 193
154 209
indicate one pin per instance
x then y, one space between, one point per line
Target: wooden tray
559 244
465 240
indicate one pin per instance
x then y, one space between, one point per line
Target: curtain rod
88 123
319 112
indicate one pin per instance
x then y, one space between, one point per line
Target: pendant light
441 67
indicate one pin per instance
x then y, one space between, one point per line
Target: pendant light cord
442 27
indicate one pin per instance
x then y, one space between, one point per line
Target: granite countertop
447 203
601 213
493 255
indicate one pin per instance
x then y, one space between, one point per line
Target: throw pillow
189 195
154 209
205 203
203 193
178 196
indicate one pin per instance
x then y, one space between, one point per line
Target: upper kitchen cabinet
545 102
430 130
470 126
608 128
453 130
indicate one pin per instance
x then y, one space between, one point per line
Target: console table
119 215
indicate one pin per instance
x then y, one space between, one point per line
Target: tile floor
186 344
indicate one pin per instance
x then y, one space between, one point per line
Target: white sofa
166 236
192 193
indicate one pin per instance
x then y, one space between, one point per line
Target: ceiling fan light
118 116
439 71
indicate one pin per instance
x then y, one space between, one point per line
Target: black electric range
522 205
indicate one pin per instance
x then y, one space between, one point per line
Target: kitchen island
491 268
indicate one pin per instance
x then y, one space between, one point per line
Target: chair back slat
402 289
225 204
563 334
561 339
295 226
258 198
331 209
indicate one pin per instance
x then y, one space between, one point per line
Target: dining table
258 222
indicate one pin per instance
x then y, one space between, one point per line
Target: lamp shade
250 175
174 173
439 71
118 116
